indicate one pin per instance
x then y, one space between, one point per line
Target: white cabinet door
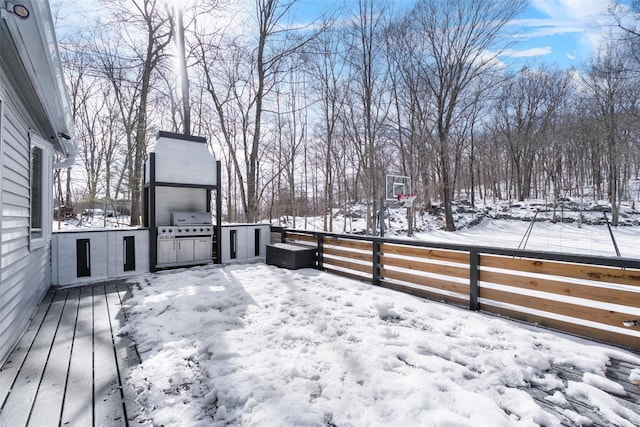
184 250
166 251
202 249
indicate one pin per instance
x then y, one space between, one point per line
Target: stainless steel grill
187 224
188 240
171 232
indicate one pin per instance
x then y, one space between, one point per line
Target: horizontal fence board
577 271
302 237
584 331
275 237
430 282
598 315
418 252
349 275
426 267
406 265
346 243
594 293
425 293
346 264
348 254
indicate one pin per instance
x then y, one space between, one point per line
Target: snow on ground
254 345
505 225
545 236
96 221
500 224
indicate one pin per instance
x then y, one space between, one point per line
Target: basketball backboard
396 185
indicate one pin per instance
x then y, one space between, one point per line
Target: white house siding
24 274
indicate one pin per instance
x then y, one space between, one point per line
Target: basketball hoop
406 199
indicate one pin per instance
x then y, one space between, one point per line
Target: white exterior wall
25 273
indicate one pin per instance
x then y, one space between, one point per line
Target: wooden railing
584 295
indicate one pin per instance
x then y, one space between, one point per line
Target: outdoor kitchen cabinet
184 250
166 251
244 242
202 249
98 254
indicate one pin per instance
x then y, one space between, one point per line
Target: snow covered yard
253 345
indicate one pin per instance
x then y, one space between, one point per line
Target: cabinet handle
86 248
124 252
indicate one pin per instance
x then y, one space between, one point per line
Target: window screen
36 192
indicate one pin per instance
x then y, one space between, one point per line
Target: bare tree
327 71
240 86
368 105
524 112
76 62
129 64
610 85
454 43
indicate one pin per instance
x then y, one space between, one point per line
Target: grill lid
186 218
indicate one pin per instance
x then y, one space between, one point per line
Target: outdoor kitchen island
180 177
181 217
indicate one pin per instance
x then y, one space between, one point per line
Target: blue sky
564 33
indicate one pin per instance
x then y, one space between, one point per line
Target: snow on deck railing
591 296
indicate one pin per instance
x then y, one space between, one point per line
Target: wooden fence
584 295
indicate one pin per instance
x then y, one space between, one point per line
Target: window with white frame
36 192
39 193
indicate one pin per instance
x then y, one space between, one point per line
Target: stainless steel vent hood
182 159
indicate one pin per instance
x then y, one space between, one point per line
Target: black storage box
291 256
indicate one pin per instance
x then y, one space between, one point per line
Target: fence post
474 275
320 239
283 236
376 262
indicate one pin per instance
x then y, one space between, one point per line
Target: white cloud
536 51
571 9
548 27
581 18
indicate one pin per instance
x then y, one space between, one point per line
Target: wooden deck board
78 393
17 407
126 351
68 368
617 371
107 397
11 367
48 403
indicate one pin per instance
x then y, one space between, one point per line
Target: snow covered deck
256 345
69 365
